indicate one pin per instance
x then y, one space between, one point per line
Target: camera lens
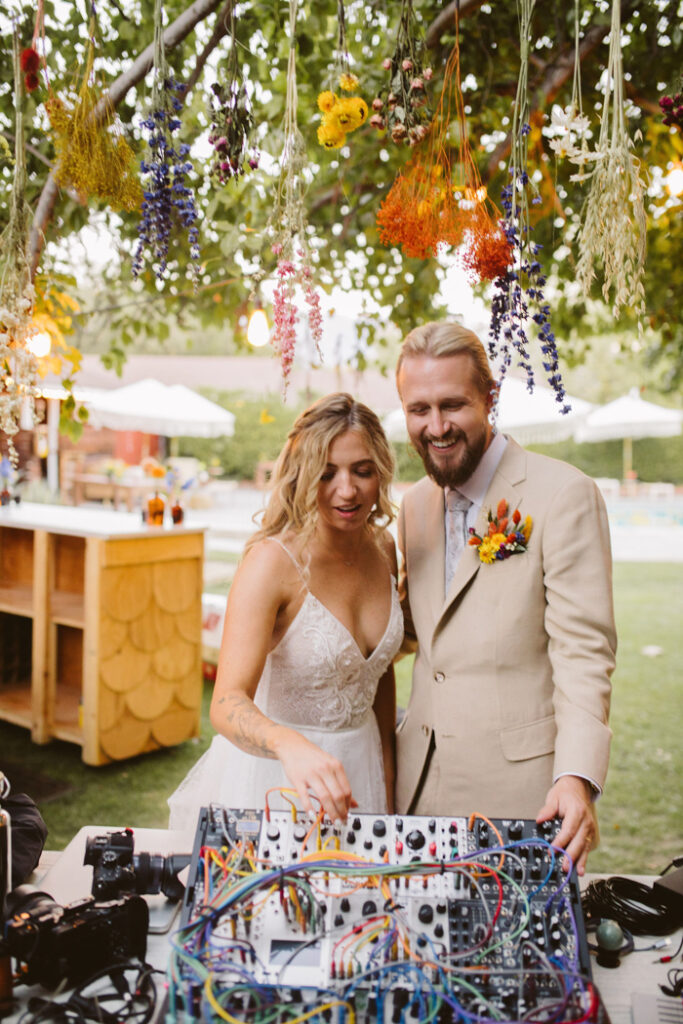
149 870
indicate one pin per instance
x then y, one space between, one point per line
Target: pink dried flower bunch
291 274
231 123
402 108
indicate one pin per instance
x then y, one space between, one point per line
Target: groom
511 684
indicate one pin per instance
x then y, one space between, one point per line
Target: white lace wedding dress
317 681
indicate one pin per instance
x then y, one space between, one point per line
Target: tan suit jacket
512 674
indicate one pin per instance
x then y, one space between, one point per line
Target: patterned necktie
458 507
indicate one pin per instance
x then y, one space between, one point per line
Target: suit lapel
511 471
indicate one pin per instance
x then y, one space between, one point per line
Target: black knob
425 913
338 920
355 824
415 839
344 904
382 850
516 830
438 931
432 825
484 835
421 941
379 828
441 908
350 838
399 824
369 908
367 845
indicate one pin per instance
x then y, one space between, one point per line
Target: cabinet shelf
67 609
16 703
17 600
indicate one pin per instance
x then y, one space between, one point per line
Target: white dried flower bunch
613 230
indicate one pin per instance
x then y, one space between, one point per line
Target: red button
399 846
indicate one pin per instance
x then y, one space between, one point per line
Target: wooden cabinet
100 629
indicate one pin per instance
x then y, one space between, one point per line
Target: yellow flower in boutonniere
500 541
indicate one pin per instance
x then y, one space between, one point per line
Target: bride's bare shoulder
271 557
387 546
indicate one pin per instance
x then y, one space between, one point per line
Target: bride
305 692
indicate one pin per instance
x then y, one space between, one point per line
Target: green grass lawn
641 811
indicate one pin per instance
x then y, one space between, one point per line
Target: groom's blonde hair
447 339
293 504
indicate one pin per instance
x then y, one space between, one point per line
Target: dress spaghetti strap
288 552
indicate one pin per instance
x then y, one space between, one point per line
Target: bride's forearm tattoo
249 725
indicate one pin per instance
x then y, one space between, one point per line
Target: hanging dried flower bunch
569 128
518 296
168 199
402 108
341 114
672 108
288 229
231 120
439 202
18 366
614 224
93 156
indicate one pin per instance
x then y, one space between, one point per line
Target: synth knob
382 850
438 931
379 828
273 832
355 824
453 828
515 830
351 838
399 824
432 825
338 920
425 914
367 845
344 904
369 908
415 839
432 848
299 833
421 941
441 908
536 871
399 847
484 835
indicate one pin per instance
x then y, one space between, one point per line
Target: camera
52 943
117 869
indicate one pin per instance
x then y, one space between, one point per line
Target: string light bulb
39 344
674 179
258 329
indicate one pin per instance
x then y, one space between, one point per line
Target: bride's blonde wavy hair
293 504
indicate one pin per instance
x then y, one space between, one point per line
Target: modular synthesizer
388 918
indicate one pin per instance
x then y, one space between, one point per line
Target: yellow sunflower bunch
341 114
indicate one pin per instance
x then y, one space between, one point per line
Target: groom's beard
454 471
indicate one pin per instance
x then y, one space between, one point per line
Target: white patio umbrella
156 408
529 417
627 419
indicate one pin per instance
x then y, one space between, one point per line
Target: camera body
52 943
118 869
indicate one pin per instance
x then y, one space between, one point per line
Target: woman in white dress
305 692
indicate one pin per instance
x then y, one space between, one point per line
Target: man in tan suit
511 685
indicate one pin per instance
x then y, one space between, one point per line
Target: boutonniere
505 536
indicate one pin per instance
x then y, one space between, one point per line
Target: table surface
84 522
635 983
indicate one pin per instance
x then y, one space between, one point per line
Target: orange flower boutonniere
505 536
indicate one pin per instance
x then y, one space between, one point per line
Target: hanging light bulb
258 329
674 179
39 344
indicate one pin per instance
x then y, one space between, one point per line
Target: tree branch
220 30
446 20
173 35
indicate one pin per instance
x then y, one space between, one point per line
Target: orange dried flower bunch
93 156
428 206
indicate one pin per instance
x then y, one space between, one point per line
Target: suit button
425 729
439 677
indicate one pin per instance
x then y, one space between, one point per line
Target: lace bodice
321 677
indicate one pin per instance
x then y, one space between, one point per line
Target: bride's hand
312 770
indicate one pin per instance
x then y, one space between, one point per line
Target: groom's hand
570 799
